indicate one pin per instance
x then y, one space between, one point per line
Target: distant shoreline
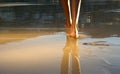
13 28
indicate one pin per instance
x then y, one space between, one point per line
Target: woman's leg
71 13
66 11
75 15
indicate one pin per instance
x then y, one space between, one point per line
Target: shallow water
51 52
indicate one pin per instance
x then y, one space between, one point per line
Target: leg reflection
71 48
75 58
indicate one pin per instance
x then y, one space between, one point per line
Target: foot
71 30
73 34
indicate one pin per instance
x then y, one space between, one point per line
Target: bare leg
71 26
66 11
75 9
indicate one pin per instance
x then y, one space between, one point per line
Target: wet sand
38 54
11 35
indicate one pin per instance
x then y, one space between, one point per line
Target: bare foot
71 30
73 34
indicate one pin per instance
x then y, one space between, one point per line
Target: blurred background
49 13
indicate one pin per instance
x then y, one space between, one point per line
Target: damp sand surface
41 52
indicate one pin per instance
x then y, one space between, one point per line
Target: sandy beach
38 54
59 36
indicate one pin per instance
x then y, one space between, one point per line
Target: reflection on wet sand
71 48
